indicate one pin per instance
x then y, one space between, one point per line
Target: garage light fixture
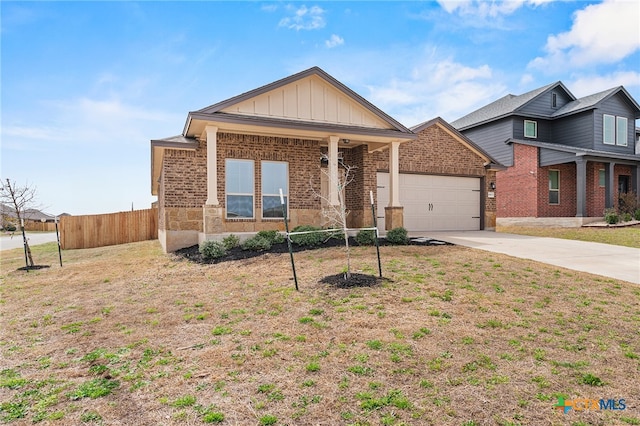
492 185
345 141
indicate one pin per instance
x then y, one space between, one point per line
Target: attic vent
554 100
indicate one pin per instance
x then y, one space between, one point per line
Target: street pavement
622 263
12 241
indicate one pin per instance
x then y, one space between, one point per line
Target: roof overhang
158 147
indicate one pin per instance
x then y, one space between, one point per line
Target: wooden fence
108 229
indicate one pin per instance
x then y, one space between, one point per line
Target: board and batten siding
492 137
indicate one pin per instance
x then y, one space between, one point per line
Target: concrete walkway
617 262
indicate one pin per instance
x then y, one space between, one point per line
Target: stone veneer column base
393 217
212 219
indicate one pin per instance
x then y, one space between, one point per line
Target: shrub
10 227
312 239
626 217
231 241
636 215
628 202
274 237
611 216
212 249
397 236
257 243
366 237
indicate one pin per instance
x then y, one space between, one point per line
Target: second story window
614 130
530 129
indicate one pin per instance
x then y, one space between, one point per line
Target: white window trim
604 129
619 133
226 193
535 127
284 193
554 190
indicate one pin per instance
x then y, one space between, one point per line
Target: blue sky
85 86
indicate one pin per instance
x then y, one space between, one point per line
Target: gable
310 99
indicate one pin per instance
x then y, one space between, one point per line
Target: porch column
333 170
635 181
394 175
212 165
394 213
609 185
581 187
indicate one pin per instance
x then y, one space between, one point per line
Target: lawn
452 336
621 236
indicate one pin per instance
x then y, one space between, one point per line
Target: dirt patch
354 280
33 268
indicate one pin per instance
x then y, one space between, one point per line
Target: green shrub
212 249
10 227
626 217
366 237
611 216
312 239
636 215
274 237
231 241
256 243
397 236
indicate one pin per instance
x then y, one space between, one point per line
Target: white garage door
434 203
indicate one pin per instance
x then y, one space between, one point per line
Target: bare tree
21 198
336 214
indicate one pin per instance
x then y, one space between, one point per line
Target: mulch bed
193 254
355 280
34 267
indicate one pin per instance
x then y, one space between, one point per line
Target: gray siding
574 130
542 105
544 129
616 106
492 137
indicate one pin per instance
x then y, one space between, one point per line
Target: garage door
434 203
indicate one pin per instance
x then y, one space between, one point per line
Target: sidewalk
622 263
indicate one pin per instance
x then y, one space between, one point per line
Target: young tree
20 198
336 215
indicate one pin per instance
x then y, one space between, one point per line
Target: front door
623 184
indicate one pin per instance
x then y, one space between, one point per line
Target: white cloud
484 9
588 85
304 18
435 87
602 33
334 41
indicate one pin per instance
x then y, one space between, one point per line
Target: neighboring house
223 174
33 218
567 159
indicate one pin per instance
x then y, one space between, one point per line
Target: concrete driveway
622 263
8 242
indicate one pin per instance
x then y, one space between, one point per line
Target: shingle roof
585 102
502 107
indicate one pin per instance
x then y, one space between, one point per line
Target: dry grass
620 236
126 335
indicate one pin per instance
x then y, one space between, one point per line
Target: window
554 186
530 129
239 189
614 130
601 178
554 100
275 176
621 131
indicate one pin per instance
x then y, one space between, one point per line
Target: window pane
530 129
553 179
274 177
554 197
239 206
239 176
601 177
271 206
621 131
608 135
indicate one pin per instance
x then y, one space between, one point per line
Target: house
567 159
224 172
